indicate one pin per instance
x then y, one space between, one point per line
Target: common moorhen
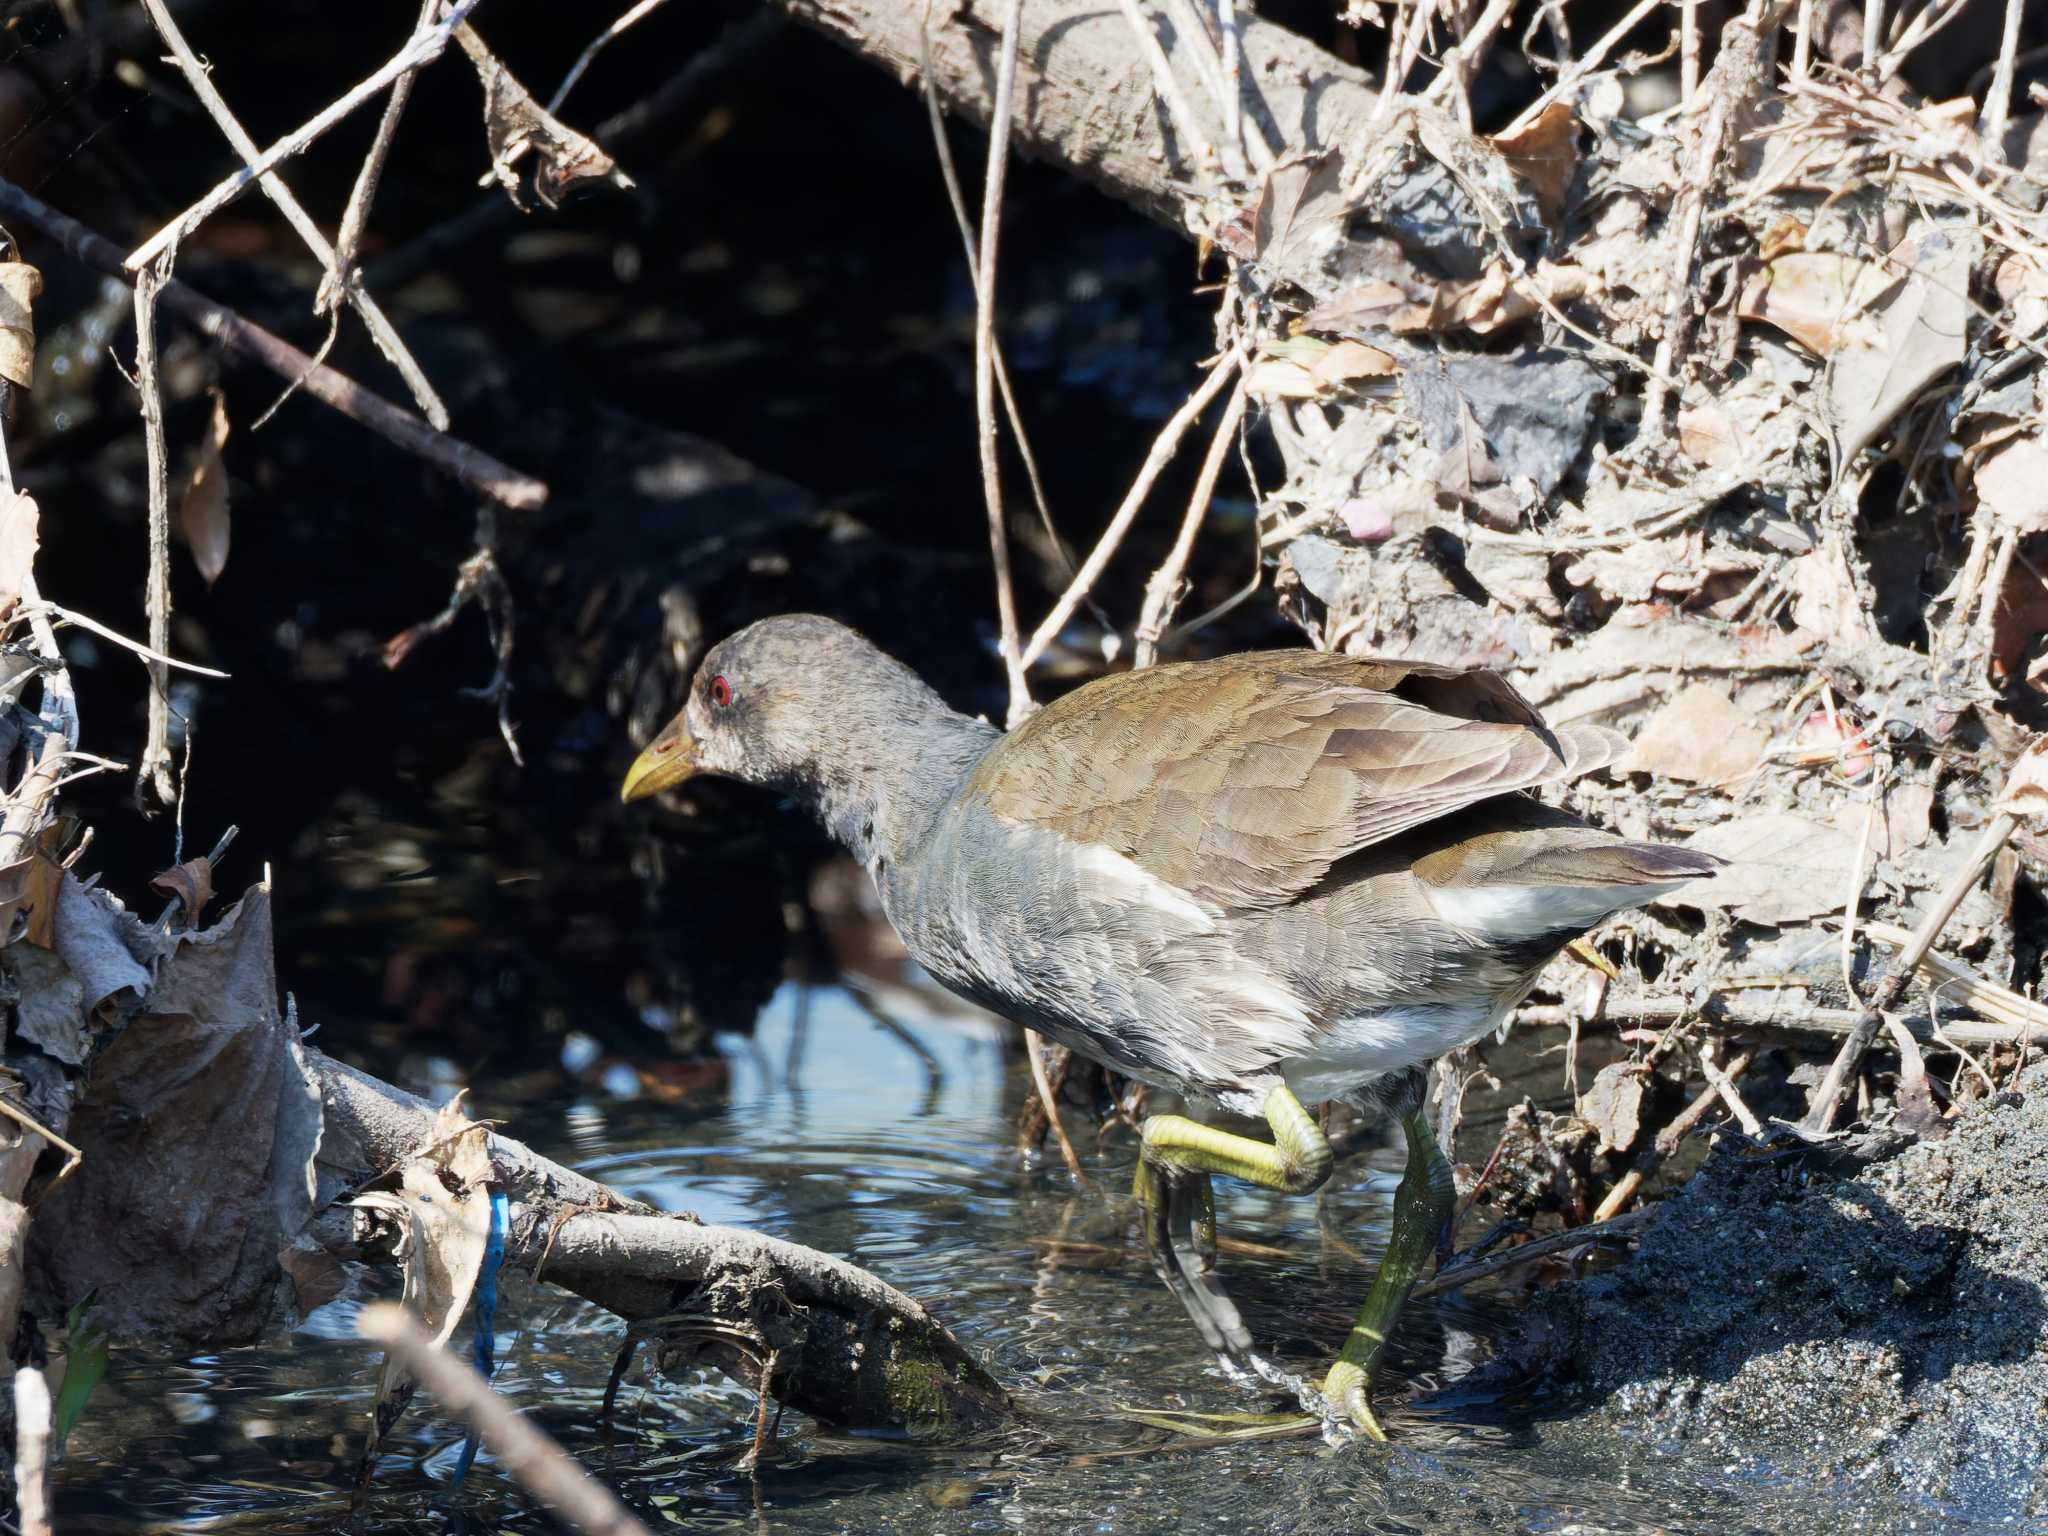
1260 880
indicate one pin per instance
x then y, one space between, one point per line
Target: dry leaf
1309 368
19 535
1783 237
1924 320
19 285
2012 480
1825 602
203 516
1545 155
1902 824
1710 437
519 127
1819 298
1781 869
2026 787
1350 361
191 883
1614 1106
1700 737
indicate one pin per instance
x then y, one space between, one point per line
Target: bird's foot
1345 1404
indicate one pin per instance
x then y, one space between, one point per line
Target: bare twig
1998 99
1163 448
1667 1140
379 325
984 361
153 772
1034 1050
421 48
467 463
1162 592
1724 1088
1567 83
1166 86
949 173
341 273
1828 1097
577 1498
597 45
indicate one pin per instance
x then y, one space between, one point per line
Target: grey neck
885 788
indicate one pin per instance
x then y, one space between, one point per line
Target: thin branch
147 653
550 1475
1166 86
421 48
1567 83
341 274
1162 592
597 45
1459 1276
467 463
1828 1096
956 196
1034 1052
1998 100
379 325
1163 448
153 772
984 359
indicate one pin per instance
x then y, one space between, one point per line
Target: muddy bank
1879 1328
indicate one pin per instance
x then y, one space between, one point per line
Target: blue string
486 1316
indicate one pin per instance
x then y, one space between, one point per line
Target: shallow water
894 1147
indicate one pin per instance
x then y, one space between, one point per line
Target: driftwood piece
846 1347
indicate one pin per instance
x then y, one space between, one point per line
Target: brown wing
1242 780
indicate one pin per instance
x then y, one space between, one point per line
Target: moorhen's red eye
721 692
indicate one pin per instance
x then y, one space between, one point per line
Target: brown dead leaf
1786 235
1613 1106
203 515
1309 368
1825 602
1377 304
1700 737
1902 823
2026 787
1819 298
19 536
19 285
191 883
1922 319
1711 437
519 128
40 893
1545 155
1781 869
2012 480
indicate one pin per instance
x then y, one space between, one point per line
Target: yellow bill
669 759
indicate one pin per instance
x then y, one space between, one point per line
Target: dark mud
1878 1329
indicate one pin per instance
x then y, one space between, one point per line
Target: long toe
1348 1391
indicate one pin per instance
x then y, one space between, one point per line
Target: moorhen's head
797 703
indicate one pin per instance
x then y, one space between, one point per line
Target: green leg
1423 1205
1178 1157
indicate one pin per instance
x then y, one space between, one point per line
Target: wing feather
1242 780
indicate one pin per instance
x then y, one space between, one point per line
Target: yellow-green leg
1180 1221
1422 1209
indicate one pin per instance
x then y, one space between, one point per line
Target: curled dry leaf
2012 480
1545 154
519 128
1308 368
1820 299
191 883
2026 787
19 285
203 515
